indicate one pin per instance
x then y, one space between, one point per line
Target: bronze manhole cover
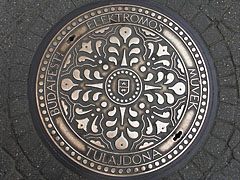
122 90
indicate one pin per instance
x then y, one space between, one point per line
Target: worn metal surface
122 90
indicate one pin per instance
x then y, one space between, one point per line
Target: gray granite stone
219 50
19 73
225 31
218 176
236 153
18 106
235 48
201 22
175 5
223 160
226 112
221 5
235 139
212 35
211 12
175 176
230 81
190 171
215 146
237 116
222 130
6 164
40 27
232 171
228 95
232 17
188 11
204 161
228 67
17 89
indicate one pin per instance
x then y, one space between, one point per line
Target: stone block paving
23 23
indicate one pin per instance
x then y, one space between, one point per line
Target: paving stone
7 23
33 149
190 171
14 176
218 176
211 12
175 4
223 160
27 20
215 146
230 81
14 7
35 177
219 50
18 106
228 95
212 35
52 169
17 89
38 5
199 2
27 40
40 27
161 2
226 112
79 3
188 11
236 153
25 168
201 22
11 147
20 125
222 130
235 48
19 73
56 10
51 14
232 171
203 160
3 94
3 130
67 174
225 31
232 17
40 156
228 67
221 5
237 117
6 164
64 6
175 176
238 79
235 139
19 55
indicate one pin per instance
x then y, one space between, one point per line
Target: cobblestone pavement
23 23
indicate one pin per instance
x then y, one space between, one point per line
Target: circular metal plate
122 90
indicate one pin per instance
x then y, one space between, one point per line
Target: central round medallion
123 86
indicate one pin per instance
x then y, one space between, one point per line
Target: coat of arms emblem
123 86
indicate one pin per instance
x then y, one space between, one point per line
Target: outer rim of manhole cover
165 170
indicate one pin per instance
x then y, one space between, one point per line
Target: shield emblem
123 86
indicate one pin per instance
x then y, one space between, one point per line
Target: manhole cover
122 90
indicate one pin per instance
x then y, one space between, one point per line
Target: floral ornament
122 89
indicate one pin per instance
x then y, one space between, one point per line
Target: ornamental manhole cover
122 90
